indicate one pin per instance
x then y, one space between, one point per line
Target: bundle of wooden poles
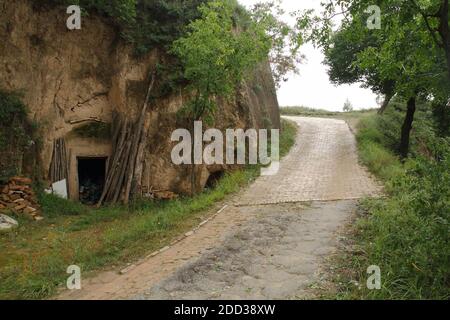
126 163
58 166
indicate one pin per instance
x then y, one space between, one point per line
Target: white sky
312 87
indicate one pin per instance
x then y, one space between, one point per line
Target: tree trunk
444 32
197 115
406 128
447 53
387 99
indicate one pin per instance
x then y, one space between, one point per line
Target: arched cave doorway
213 179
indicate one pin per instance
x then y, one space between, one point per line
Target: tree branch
427 23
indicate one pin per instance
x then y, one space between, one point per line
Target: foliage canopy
216 54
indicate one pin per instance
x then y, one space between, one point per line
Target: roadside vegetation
322 113
352 117
307 112
18 136
35 256
404 57
406 233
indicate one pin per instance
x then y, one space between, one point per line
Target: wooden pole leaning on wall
59 167
129 142
138 142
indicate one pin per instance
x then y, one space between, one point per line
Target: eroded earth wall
70 78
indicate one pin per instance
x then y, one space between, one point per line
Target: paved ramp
322 166
267 244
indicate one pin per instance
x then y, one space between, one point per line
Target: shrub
160 22
123 12
144 23
406 234
17 135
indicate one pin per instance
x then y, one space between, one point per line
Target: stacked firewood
18 196
164 195
150 193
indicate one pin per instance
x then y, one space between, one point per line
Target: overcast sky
312 87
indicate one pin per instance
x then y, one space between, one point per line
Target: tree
160 22
436 16
216 56
284 55
348 107
218 51
407 54
341 55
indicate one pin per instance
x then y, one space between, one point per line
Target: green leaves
217 54
16 134
285 41
145 24
406 52
407 233
221 48
122 11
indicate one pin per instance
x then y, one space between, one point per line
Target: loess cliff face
70 78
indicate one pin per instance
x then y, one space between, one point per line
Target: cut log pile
159 194
18 196
164 195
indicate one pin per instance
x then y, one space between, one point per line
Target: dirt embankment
69 78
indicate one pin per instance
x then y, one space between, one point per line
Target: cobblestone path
323 165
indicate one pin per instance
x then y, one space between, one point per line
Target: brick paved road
267 244
323 165
279 252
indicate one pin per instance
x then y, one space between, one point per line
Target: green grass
287 137
311 112
406 233
352 118
381 161
305 112
35 256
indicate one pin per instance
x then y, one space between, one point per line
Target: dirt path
268 243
